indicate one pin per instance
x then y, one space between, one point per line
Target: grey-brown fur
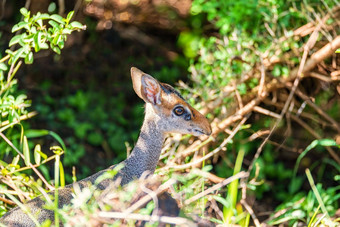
144 156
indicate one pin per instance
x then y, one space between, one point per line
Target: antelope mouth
199 132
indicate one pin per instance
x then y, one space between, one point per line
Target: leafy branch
33 34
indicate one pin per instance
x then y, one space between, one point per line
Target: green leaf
42 154
337 51
33 30
3 66
26 152
24 12
36 41
61 44
8 51
29 58
54 24
67 31
56 39
15 160
33 133
15 40
76 24
55 49
327 142
276 71
58 18
322 142
242 88
37 156
61 174
223 201
58 138
69 16
295 215
19 26
27 40
43 45
40 23
56 150
43 16
17 55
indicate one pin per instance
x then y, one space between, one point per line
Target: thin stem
50 187
5 58
7 124
37 165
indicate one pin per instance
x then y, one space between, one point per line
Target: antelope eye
179 110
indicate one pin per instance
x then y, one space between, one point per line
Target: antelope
166 111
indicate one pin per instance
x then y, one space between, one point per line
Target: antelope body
165 112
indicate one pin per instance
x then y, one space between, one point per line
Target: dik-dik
166 111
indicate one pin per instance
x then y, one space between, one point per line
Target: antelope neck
145 154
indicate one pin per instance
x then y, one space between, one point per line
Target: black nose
187 117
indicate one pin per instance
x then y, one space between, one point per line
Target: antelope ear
146 87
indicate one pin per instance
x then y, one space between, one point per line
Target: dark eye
179 110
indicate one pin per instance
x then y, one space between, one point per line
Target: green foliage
15 144
295 185
228 54
303 206
37 36
89 120
247 31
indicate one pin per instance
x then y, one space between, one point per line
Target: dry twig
210 154
237 176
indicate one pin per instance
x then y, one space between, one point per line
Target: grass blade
26 152
316 192
228 212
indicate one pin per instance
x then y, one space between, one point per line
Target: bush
19 161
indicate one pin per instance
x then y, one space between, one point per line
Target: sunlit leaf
29 58
33 133
43 16
67 31
19 53
58 18
19 26
26 152
37 156
61 44
3 66
62 174
15 40
15 160
223 201
54 24
43 45
69 16
55 49
24 12
76 24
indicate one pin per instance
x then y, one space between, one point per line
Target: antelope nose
208 131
